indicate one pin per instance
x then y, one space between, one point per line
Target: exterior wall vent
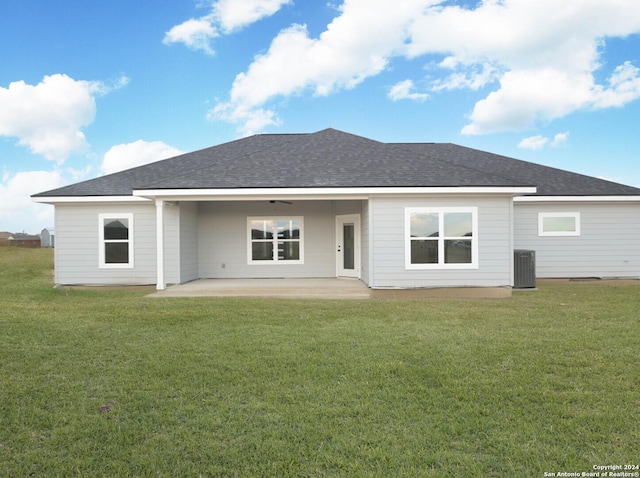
524 264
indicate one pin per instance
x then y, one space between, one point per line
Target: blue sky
89 88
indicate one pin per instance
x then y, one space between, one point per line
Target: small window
116 240
275 240
444 238
559 224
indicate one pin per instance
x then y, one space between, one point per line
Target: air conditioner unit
524 264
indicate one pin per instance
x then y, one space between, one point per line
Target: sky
91 88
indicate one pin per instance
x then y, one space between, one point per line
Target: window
275 240
116 240
442 238
559 224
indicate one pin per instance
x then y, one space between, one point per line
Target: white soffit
89 199
545 199
318 193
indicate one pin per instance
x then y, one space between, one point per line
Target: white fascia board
567 199
318 193
88 199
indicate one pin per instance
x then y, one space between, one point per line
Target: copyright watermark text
599 471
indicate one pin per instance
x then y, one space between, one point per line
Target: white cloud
546 53
17 212
235 14
129 155
341 58
528 96
538 141
534 142
251 120
102 88
404 91
541 55
48 118
560 138
472 78
226 16
195 34
624 86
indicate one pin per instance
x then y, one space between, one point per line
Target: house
48 237
23 240
332 204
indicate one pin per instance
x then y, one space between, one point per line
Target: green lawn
111 383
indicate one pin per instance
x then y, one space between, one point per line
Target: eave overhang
300 194
567 199
89 199
251 194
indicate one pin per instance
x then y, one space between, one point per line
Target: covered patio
321 288
324 288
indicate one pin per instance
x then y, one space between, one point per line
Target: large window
116 240
275 240
559 224
441 238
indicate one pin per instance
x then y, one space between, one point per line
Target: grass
111 383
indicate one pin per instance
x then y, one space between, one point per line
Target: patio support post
160 282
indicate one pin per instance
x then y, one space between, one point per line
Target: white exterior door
348 245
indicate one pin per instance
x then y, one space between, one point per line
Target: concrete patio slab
332 288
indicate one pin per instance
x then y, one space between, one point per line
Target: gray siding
608 245
365 265
77 243
189 267
388 235
222 240
201 240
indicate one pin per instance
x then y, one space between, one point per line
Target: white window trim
101 253
275 260
441 265
543 215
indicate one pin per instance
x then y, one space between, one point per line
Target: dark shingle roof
122 183
549 181
331 158
326 159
